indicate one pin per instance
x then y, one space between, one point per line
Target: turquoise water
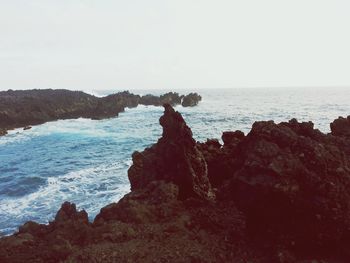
86 161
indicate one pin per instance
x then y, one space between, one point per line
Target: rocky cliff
278 194
30 107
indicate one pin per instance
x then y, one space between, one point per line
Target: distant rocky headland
281 193
30 107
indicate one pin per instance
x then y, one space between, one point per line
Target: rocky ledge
279 194
30 107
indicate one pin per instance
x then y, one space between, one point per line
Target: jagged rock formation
48 243
191 100
175 158
31 107
278 194
291 181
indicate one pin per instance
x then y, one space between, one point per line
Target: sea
86 161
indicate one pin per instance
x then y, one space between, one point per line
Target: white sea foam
81 187
81 126
94 93
15 135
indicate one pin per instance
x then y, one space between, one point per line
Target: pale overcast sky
173 44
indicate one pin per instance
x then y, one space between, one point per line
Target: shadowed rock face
341 127
291 181
30 107
282 195
175 158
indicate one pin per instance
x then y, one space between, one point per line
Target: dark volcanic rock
222 161
150 100
341 126
191 100
3 132
292 184
68 212
48 243
232 138
31 107
282 194
172 98
158 200
175 158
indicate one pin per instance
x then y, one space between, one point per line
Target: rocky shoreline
30 107
278 194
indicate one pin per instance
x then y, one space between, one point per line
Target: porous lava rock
341 127
291 181
172 98
174 158
281 195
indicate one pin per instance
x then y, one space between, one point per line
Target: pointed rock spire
174 127
174 158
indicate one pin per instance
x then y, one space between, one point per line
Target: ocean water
86 161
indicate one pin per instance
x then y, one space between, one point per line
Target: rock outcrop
175 158
191 100
31 107
278 194
172 98
48 243
341 127
290 181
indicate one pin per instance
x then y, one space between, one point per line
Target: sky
174 44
